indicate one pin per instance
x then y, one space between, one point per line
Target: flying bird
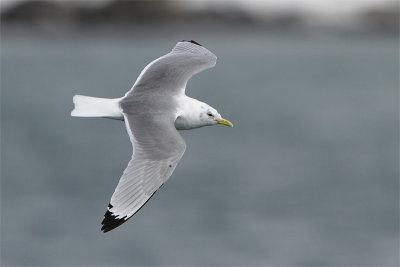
153 110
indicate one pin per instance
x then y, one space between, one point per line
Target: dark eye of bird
210 115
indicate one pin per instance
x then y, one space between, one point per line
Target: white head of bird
196 114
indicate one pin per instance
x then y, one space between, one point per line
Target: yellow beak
225 122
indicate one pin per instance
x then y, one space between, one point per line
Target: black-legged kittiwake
153 110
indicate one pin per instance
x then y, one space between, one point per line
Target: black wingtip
110 220
192 41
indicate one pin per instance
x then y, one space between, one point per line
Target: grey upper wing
157 149
171 72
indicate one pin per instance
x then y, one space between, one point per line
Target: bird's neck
188 113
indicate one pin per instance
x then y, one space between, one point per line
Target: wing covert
171 72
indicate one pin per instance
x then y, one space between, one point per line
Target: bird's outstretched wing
171 72
149 110
157 149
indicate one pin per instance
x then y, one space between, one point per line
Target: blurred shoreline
62 16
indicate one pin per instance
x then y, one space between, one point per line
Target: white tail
87 106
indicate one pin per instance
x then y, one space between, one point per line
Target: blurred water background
307 177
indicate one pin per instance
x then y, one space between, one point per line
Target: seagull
153 110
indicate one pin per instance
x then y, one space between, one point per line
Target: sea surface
308 176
